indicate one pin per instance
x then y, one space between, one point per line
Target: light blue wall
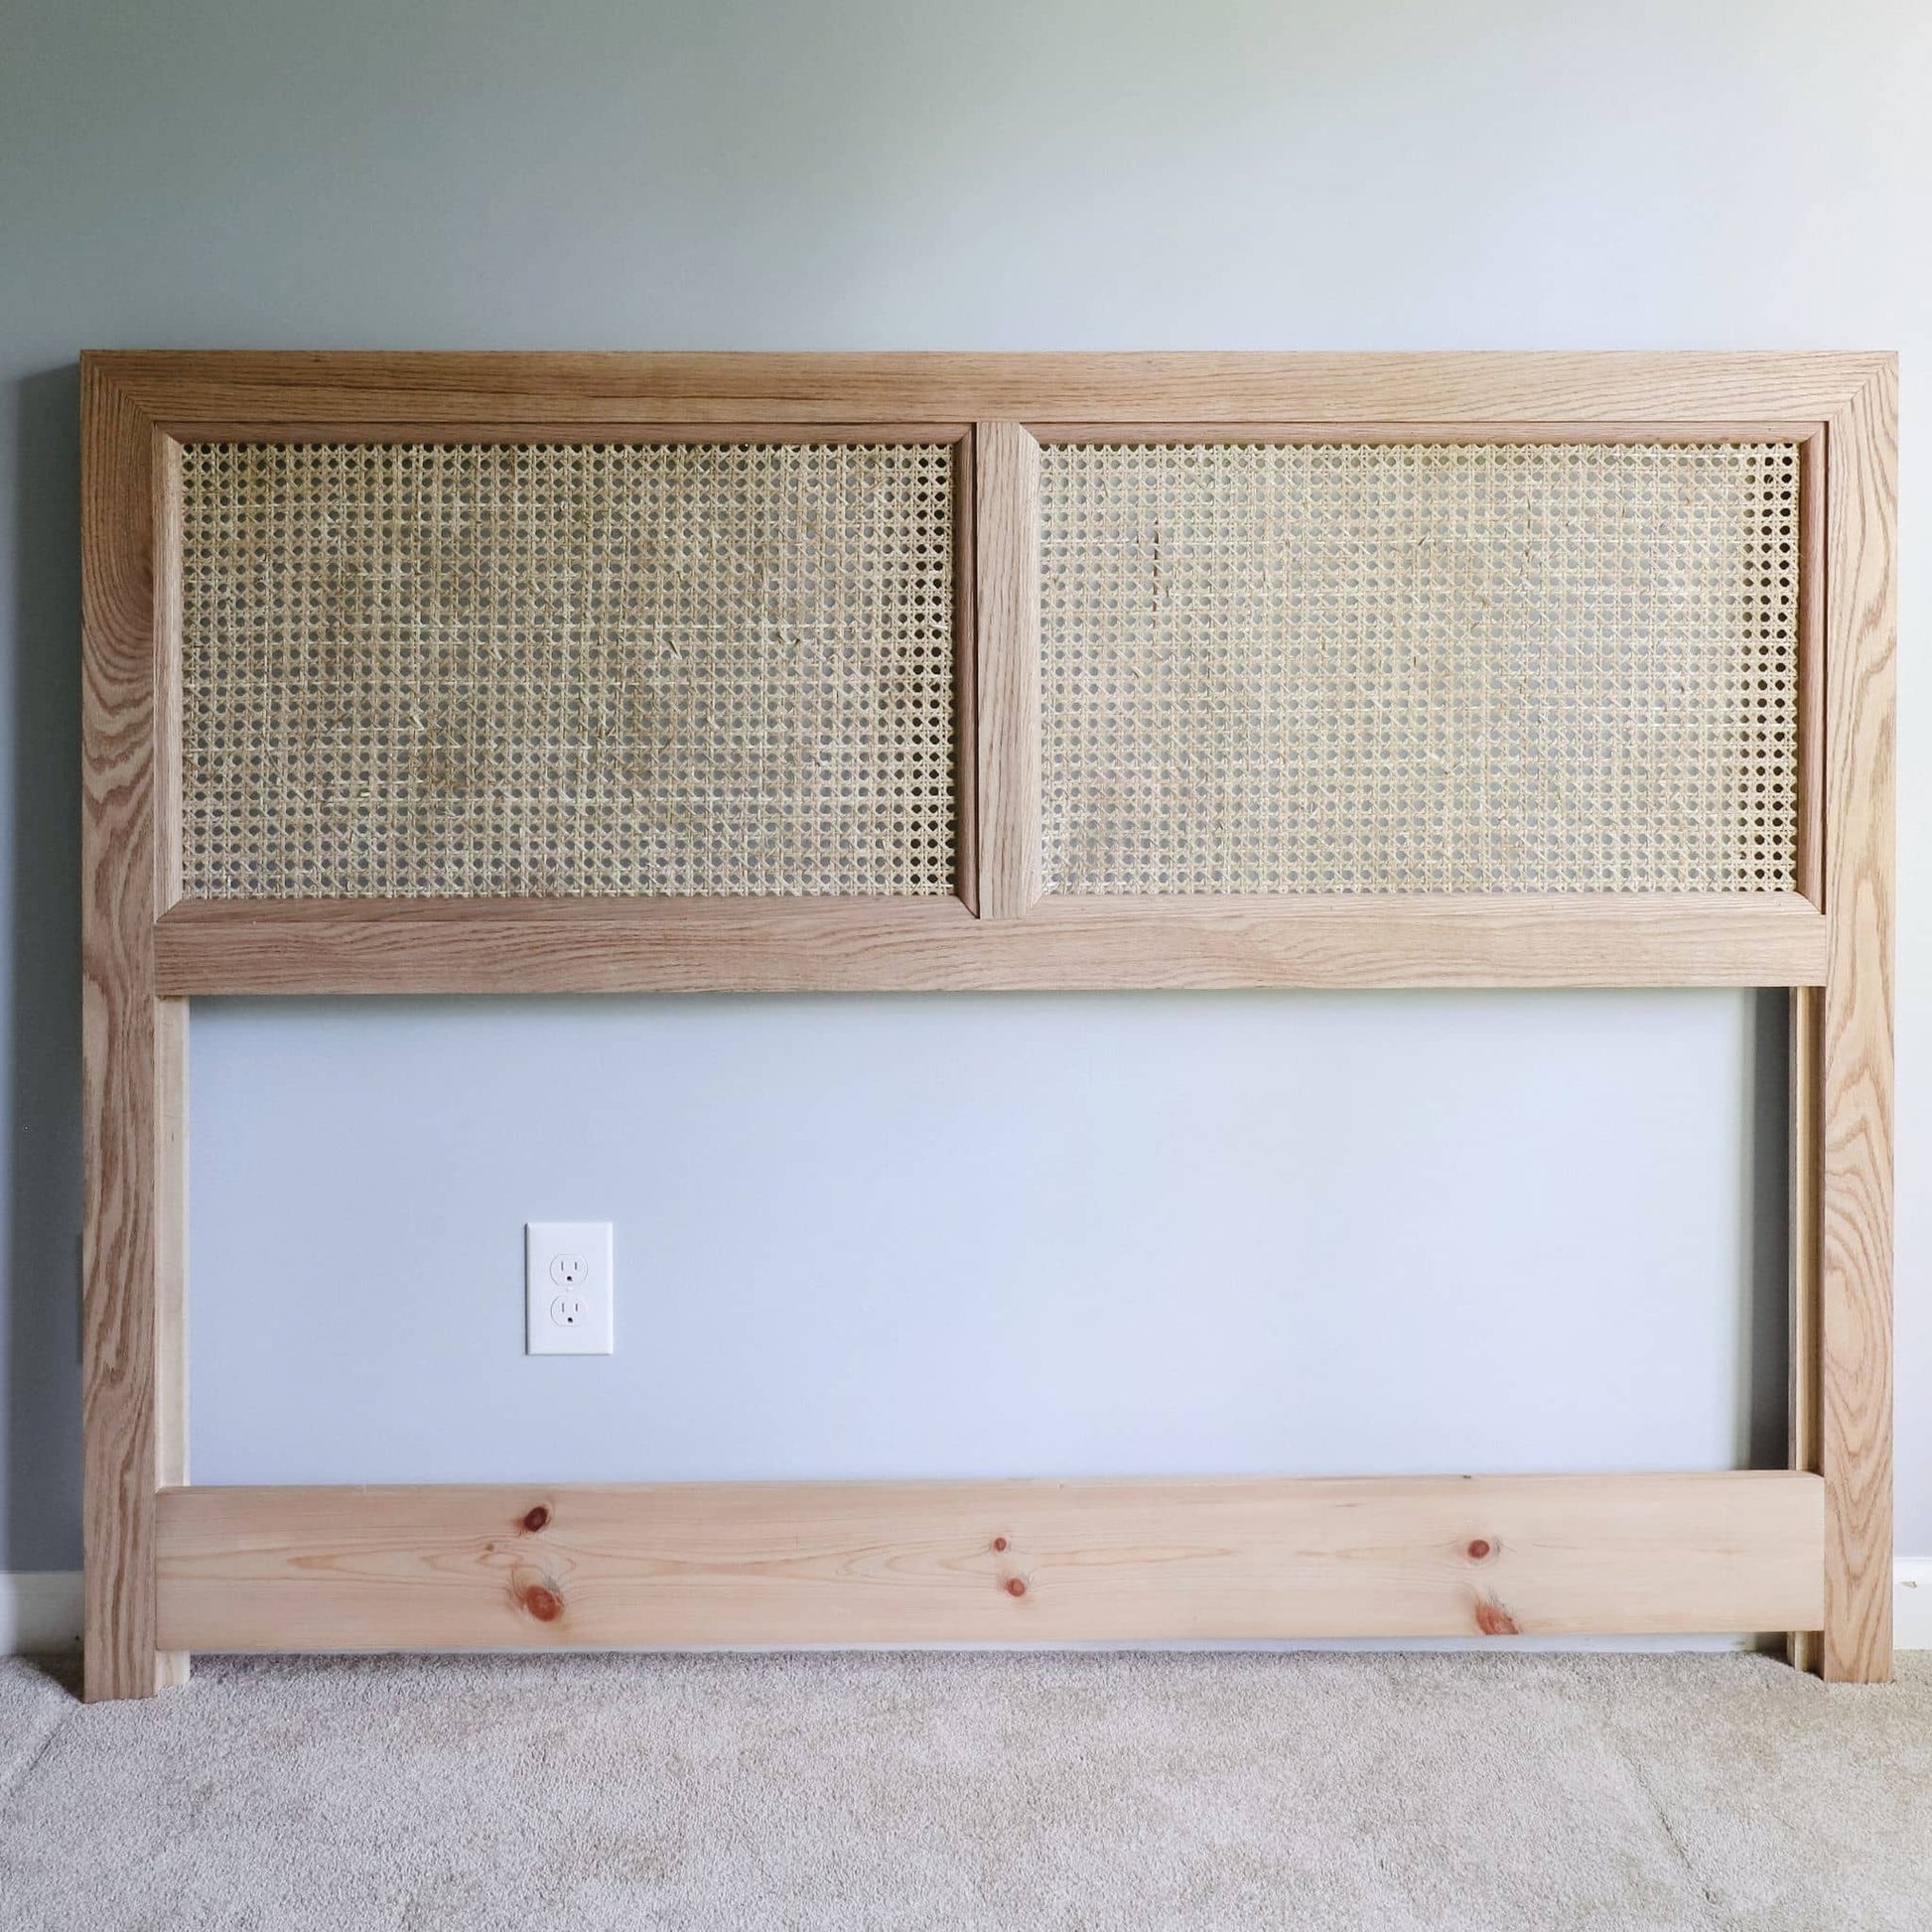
948 1235
607 172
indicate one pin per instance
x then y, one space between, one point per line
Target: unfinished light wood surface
879 1562
1854 1199
1803 1173
216 946
184 391
965 669
1006 521
134 1101
1809 880
329 1569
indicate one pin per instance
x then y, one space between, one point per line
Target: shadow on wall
43 1019
1767 1206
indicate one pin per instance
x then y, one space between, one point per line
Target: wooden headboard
608 672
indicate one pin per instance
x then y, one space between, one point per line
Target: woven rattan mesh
568 670
1320 668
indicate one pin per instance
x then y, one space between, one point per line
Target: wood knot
539 1596
1481 1550
999 1542
536 1519
1016 1586
1493 1621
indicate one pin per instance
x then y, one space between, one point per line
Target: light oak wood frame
172 1569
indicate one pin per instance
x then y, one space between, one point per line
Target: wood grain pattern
184 390
1855 1078
504 1567
131 1047
166 654
1809 866
169 1287
610 431
965 661
330 1569
170 1015
1007 531
1462 429
1802 1647
779 945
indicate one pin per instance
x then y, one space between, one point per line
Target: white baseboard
40 1609
1911 1605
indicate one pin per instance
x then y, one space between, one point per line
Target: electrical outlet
568 1289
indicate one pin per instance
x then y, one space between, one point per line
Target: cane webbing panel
421 670
1399 668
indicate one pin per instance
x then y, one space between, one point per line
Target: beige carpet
1379 1791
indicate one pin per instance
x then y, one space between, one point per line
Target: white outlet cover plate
568 1289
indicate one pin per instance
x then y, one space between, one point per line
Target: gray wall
1229 1232
981 1235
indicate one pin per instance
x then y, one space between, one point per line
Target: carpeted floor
1374 1791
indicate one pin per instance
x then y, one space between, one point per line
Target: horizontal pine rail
511 1566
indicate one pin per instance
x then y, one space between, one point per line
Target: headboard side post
133 1055
1855 1127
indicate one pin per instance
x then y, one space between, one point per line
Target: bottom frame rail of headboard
508 1566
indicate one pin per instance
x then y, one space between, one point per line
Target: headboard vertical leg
1855 1218
133 1048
